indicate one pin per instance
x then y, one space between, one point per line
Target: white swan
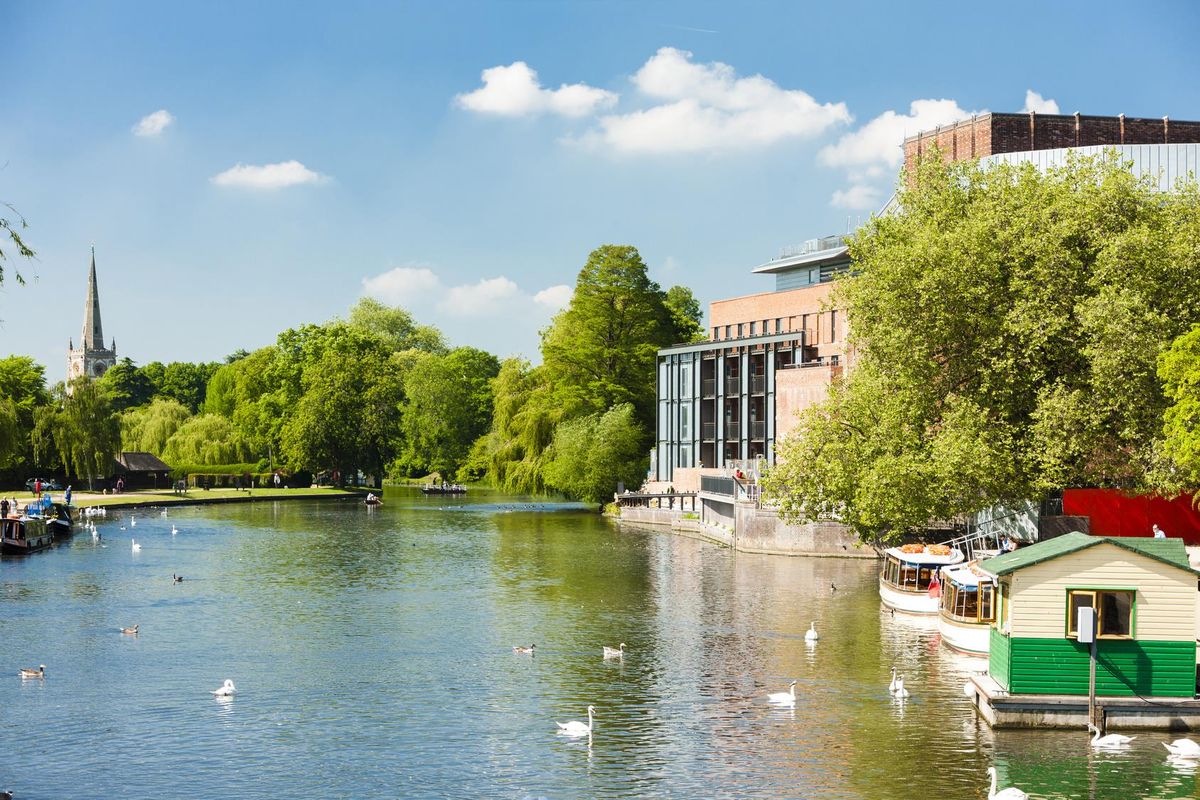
614 652
174 530
137 548
811 635
892 686
133 522
901 692
227 689
1183 747
1011 793
577 728
784 698
1111 740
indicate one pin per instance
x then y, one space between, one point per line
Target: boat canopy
954 557
966 577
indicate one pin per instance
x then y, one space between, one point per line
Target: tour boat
968 608
20 535
909 578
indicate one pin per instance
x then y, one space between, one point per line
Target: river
372 652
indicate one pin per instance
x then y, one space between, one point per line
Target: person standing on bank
67 495
1159 533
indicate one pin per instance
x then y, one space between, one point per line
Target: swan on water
131 631
227 689
614 652
811 635
1183 747
1011 793
787 698
892 686
137 548
133 522
577 728
1111 740
525 651
174 530
40 672
901 692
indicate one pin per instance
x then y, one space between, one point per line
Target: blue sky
429 154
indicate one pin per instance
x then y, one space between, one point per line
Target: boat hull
908 602
971 638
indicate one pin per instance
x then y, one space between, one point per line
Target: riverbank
146 498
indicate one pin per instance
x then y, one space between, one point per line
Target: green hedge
182 471
200 480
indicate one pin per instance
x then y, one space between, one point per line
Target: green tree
84 430
395 327
22 391
685 314
10 431
1007 325
126 385
207 439
448 406
149 428
524 415
1179 368
589 455
11 229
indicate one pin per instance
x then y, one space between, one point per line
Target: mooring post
1092 716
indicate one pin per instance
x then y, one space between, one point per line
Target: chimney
1077 129
1122 118
1166 130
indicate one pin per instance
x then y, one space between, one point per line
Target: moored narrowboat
968 608
21 535
909 578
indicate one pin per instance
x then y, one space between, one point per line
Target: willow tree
1007 325
84 430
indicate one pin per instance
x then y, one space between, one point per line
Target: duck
131 631
525 651
176 578
137 548
1183 747
832 587
901 692
1011 793
227 689
787 698
811 635
614 652
1111 740
6 796
894 684
40 672
577 728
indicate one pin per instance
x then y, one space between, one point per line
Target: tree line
377 393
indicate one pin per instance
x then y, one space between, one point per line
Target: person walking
67 495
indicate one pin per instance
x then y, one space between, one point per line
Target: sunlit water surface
372 651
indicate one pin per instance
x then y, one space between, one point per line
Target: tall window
685 422
728 330
753 328
685 380
1114 609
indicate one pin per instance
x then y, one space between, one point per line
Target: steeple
93 332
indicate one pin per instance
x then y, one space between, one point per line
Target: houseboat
908 573
968 608
21 535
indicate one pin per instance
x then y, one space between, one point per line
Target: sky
244 168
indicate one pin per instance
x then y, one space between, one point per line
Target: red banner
1111 513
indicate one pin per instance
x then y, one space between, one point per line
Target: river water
372 652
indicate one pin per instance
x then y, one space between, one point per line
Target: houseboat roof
922 557
963 575
1168 551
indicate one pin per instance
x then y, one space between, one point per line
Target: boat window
987 611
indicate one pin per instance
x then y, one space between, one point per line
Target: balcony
714 484
758 431
732 430
758 384
708 387
708 431
733 385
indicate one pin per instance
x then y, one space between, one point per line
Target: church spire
93 332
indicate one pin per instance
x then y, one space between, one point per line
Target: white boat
968 608
905 578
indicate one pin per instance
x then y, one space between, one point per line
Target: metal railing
733 385
758 430
715 484
708 431
668 500
758 384
708 387
732 430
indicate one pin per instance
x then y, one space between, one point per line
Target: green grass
168 496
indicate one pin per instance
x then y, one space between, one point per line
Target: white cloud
1042 105
488 296
515 91
268 176
403 286
858 196
153 124
554 298
708 108
880 141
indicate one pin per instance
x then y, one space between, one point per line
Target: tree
84 430
1179 368
1007 325
686 314
395 326
126 385
22 391
11 229
148 429
10 431
524 415
590 455
207 439
448 406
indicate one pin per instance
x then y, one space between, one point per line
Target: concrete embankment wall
759 531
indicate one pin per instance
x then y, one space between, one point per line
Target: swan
614 652
1011 793
901 692
174 530
784 698
40 672
1111 740
137 548
1183 747
576 728
131 631
525 651
811 635
133 522
163 512
893 685
227 689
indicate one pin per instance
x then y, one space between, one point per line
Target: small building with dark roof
141 470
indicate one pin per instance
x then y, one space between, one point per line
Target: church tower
91 358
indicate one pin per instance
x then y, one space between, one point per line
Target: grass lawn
168 497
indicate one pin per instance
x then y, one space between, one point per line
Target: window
716 332
1114 608
685 422
833 326
779 324
685 380
739 330
753 328
728 330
